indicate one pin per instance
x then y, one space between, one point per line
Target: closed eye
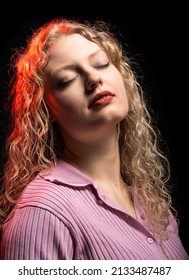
103 66
63 84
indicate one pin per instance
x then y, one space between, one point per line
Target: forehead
72 46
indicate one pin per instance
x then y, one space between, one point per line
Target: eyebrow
69 66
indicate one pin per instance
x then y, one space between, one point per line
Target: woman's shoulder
59 190
44 194
55 183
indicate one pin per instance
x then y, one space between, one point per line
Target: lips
104 95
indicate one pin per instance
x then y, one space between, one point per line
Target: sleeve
36 234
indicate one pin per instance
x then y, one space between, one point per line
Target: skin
77 70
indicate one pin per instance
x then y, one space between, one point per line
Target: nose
93 81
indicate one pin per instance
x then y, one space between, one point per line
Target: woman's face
84 91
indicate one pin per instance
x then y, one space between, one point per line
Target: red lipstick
102 98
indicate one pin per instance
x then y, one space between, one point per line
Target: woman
84 177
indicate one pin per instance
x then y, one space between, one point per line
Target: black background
156 39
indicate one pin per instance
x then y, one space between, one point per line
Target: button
150 240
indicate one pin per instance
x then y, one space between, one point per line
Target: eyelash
64 84
104 65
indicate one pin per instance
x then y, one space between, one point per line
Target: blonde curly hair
32 145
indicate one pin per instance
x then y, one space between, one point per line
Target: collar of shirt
66 174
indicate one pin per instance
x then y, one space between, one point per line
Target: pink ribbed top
64 215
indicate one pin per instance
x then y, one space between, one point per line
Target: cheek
117 80
121 88
62 107
122 93
51 103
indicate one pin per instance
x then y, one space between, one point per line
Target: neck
100 160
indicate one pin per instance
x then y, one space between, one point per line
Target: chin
119 116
